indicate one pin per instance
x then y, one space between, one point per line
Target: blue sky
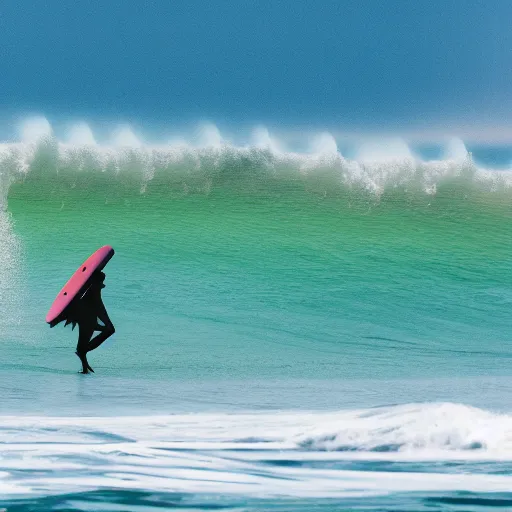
334 64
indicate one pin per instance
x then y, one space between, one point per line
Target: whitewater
298 326
208 160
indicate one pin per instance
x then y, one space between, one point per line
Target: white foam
445 429
324 143
10 278
34 129
229 453
80 134
208 136
262 139
378 166
125 138
456 150
417 429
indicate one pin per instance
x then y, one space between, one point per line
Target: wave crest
379 170
427 428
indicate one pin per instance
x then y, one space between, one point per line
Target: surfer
88 312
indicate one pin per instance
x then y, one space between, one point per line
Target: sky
348 65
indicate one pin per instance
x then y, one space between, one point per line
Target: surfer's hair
70 315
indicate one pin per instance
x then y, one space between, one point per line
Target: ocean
316 329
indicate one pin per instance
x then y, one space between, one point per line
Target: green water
259 281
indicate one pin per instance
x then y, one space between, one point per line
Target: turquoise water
294 331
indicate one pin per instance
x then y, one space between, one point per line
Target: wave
209 163
260 454
423 429
443 431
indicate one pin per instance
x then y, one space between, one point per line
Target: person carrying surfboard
80 302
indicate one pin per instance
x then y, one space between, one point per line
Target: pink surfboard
79 282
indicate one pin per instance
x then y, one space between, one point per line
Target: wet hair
71 315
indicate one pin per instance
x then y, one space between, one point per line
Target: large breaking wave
208 163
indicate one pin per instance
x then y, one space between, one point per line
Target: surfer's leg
101 312
84 335
106 332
